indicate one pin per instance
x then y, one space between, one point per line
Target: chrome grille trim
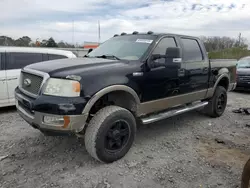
44 75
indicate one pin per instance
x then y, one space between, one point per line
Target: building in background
80 52
89 45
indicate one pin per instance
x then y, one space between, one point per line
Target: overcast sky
45 18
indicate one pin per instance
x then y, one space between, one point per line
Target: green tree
51 43
23 41
6 41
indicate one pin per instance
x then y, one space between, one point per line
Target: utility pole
239 39
73 32
99 32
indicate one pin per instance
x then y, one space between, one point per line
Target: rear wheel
217 104
110 134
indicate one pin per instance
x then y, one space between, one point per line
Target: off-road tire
211 109
96 133
245 176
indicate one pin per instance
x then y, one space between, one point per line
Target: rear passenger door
196 66
3 83
15 61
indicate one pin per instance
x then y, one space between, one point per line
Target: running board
180 110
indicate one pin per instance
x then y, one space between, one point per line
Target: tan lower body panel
162 104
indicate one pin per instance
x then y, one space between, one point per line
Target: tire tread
210 108
94 126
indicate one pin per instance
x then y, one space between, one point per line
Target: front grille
30 82
245 78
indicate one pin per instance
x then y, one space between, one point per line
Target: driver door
162 82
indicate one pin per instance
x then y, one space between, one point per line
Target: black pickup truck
129 79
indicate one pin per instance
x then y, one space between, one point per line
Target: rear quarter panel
224 66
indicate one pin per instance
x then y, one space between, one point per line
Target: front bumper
69 122
243 85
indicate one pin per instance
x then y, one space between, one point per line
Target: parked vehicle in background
13 59
243 74
130 78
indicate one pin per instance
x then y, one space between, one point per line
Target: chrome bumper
70 123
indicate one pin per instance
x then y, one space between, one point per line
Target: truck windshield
129 47
244 63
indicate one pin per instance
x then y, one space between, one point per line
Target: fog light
58 121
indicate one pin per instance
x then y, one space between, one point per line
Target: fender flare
211 91
224 75
107 90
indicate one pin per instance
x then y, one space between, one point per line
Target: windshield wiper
108 56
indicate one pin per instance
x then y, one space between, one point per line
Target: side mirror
90 50
173 55
172 58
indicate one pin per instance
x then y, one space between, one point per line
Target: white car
13 59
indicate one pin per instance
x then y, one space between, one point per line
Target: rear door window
18 60
55 56
191 50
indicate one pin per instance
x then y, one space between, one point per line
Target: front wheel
110 134
217 104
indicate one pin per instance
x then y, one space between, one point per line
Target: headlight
63 88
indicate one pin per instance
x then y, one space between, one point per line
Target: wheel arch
107 90
223 80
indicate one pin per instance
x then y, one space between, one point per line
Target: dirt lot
190 150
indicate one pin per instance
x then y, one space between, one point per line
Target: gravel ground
190 150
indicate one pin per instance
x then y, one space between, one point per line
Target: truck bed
222 64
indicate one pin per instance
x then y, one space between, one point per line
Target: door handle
181 72
2 79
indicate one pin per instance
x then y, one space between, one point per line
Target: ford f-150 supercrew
129 79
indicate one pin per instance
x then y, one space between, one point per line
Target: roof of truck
161 34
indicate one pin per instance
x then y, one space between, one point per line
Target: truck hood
243 71
74 65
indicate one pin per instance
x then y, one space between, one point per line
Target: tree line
212 44
26 41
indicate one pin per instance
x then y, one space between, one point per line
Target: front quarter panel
97 80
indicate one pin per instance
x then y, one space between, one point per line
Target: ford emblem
27 82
